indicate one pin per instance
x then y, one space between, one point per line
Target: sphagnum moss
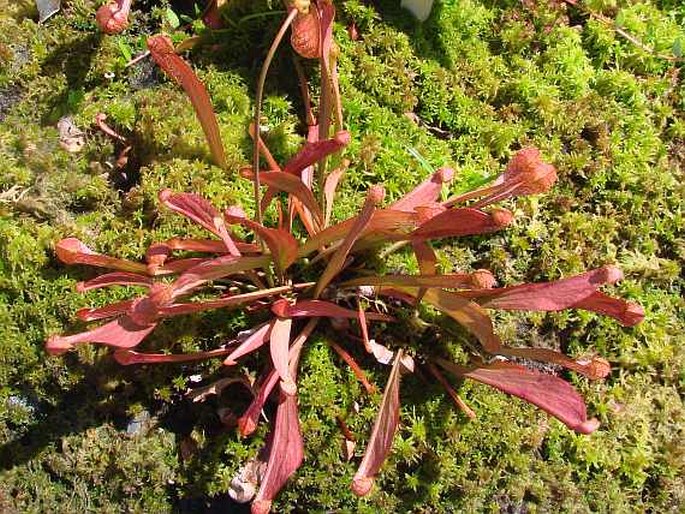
618 154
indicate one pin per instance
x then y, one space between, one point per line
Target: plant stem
335 90
137 59
259 218
258 110
392 248
310 120
621 32
259 15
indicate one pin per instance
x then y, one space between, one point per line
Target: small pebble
139 424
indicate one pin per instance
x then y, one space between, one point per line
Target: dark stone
9 97
144 75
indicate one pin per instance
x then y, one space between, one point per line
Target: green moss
467 88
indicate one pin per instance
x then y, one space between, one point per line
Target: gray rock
46 8
139 425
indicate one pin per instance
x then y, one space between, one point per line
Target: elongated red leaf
470 195
349 441
212 269
595 368
108 311
330 187
426 192
118 278
625 312
292 185
304 214
129 357
462 222
209 246
177 309
311 153
428 211
295 205
528 170
425 256
363 326
73 251
162 51
286 452
468 314
121 333
450 281
380 352
402 295
461 404
307 174
356 368
282 244
279 340
320 308
202 212
550 393
382 434
547 296
374 197
498 193
194 207
326 237
253 342
384 225
427 260
178 265
175 266
526 174
248 421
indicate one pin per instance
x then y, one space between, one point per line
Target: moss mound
474 83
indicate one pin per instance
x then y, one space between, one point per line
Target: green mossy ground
482 79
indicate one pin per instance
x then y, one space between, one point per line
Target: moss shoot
467 88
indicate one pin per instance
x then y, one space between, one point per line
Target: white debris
71 138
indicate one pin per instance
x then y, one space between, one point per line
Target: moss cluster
467 88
